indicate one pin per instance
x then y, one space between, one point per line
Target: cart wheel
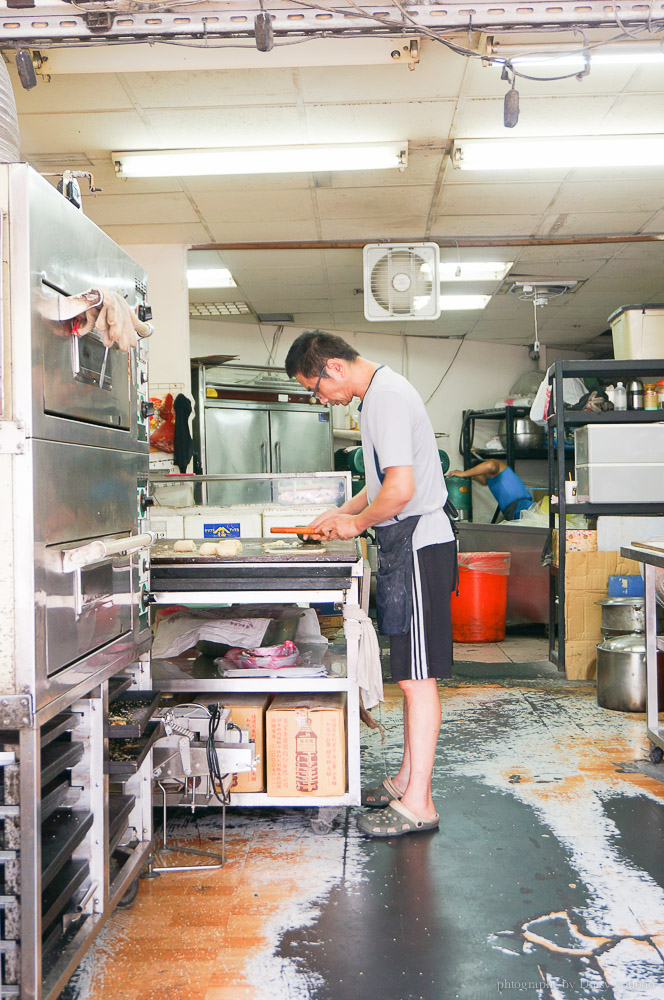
323 822
656 754
130 895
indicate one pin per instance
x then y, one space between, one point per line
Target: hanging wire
447 370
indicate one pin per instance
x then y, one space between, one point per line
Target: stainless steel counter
528 582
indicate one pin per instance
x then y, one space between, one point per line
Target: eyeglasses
315 389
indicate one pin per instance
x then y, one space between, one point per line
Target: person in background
511 493
404 500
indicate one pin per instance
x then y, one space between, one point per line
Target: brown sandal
395 821
379 796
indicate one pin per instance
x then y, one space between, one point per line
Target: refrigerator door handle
264 456
277 456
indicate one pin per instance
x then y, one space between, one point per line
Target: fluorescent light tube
211 277
474 270
261 160
561 153
560 57
450 302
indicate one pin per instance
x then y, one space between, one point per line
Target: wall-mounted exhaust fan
401 281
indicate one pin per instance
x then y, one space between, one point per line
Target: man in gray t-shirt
403 500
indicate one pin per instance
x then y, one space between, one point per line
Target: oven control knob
147 409
146 502
144 313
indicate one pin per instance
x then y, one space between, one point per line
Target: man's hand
114 320
334 525
455 472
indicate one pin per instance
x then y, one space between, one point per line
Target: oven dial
145 502
147 409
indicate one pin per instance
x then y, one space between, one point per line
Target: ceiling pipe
507 241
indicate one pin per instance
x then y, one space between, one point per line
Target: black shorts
426 650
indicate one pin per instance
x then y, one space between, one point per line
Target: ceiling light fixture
454 302
560 57
562 153
474 270
261 160
210 277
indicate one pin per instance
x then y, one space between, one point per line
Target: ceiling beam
481 242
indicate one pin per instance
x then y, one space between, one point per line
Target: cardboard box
248 712
586 582
306 745
577 540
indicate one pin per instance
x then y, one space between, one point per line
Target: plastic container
660 393
478 613
638 331
650 400
620 397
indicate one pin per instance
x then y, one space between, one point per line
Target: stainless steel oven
73 449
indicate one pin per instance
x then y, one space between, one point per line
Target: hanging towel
183 446
369 673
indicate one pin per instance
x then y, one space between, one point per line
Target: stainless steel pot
526 433
621 674
622 615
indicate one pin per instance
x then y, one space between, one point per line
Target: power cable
446 372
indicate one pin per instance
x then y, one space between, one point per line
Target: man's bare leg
402 777
422 717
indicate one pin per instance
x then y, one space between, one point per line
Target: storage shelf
610 417
263 799
618 509
259 685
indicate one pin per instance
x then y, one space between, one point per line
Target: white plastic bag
573 390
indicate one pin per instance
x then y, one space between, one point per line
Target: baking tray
119 809
57 757
59 894
126 756
130 714
56 794
59 724
61 834
118 685
338 550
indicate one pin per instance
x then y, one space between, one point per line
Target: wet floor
545 879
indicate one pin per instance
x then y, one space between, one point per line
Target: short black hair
311 350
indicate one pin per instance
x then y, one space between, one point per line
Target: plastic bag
537 516
162 424
542 408
267 657
496 563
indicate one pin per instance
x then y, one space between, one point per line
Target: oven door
82 380
87 607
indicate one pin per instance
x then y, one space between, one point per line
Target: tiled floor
544 881
513 649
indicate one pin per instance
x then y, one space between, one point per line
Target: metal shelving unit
557 423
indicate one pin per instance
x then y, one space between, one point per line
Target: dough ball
229 547
184 545
208 549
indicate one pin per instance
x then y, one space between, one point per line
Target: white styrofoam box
611 443
216 523
626 483
289 516
166 522
638 332
613 532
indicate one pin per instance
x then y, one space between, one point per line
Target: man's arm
491 467
397 489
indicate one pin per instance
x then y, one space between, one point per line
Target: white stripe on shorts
419 667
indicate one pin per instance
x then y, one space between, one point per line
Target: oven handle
100 549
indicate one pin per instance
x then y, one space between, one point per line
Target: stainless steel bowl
621 674
622 615
526 434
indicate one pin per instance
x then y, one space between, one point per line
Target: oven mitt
113 319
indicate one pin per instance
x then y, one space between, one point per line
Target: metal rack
557 423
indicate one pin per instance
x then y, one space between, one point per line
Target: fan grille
402 282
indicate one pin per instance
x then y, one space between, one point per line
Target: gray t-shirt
396 430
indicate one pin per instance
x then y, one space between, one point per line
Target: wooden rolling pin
299 530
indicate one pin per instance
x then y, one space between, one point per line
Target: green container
444 460
458 489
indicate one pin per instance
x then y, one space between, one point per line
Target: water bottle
620 397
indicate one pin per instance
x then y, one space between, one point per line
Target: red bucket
478 613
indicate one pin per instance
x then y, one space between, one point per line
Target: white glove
115 321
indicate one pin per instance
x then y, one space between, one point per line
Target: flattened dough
184 545
229 547
208 549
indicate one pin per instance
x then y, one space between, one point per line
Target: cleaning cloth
183 446
358 625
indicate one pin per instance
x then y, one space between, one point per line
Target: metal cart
651 554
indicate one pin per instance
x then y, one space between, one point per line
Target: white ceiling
86 110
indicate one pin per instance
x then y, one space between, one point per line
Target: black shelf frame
511 454
556 424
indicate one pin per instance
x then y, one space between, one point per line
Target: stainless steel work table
653 560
